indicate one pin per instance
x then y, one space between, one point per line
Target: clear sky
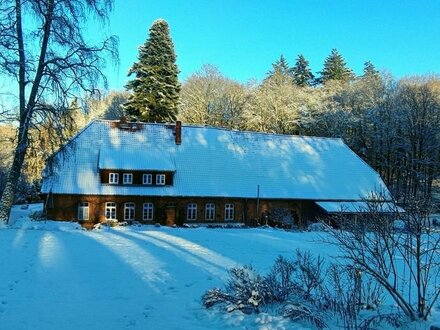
243 37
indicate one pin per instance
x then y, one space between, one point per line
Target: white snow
54 275
358 207
214 162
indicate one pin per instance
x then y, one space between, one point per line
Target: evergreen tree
302 75
370 70
335 68
155 86
280 74
280 67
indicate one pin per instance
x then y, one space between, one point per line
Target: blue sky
244 37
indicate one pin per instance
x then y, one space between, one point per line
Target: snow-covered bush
244 291
248 288
249 292
302 289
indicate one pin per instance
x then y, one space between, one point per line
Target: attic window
113 178
147 179
127 178
160 179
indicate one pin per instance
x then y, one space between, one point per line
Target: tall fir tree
155 88
301 73
335 68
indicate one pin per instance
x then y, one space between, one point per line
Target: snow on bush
302 289
249 292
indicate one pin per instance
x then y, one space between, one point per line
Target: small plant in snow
243 291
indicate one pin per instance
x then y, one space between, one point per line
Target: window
110 211
83 211
147 179
191 213
160 179
148 211
113 178
129 211
210 211
127 178
229 212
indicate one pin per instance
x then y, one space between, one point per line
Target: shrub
244 291
302 289
249 292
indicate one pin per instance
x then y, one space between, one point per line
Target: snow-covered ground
54 275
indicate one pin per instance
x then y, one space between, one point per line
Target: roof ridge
232 130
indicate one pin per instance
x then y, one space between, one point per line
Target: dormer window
127 178
160 179
113 178
147 179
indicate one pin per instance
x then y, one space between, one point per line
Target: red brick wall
65 207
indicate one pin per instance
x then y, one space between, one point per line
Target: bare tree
404 261
42 47
208 97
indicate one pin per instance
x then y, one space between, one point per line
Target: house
175 174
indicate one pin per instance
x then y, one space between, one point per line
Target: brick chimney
178 132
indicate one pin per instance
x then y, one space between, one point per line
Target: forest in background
393 124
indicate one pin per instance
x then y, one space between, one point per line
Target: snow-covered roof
213 162
359 207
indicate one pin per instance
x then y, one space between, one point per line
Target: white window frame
160 179
148 212
229 212
127 178
209 211
113 178
191 212
147 178
110 211
83 211
129 211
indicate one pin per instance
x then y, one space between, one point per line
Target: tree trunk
25 110
14 173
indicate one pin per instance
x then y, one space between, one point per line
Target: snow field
55 275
